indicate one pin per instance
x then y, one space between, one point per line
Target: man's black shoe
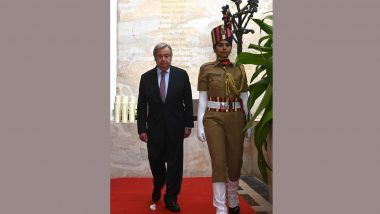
235 210
172 206
156 194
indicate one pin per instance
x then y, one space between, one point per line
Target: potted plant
263 59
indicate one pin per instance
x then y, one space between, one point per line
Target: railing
125 109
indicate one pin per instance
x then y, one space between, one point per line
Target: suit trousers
167 151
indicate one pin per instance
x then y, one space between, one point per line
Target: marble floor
256 193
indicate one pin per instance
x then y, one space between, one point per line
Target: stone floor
256 193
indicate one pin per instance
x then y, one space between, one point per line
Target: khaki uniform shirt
212 78
223 129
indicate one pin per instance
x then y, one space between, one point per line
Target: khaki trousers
225 143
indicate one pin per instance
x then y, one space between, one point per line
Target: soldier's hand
201 134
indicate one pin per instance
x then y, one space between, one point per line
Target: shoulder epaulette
241 66
208 63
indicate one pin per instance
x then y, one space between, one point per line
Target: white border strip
113 53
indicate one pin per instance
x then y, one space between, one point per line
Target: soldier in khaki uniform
221 118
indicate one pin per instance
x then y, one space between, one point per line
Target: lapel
156 87
172 78
154 83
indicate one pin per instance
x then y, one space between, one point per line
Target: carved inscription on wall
184 24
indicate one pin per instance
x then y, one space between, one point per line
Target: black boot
235 210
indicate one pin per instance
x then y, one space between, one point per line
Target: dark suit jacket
175 114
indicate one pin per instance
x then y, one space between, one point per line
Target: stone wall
185 25
129 156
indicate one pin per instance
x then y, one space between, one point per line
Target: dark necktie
225 62
163 86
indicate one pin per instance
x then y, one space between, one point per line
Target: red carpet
133 195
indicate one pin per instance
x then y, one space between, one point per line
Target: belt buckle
224 105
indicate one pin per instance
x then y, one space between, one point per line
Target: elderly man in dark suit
165 118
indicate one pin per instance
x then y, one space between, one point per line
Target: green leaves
260 142
264 102
260 48
264 86
264 26
259 69
250 58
